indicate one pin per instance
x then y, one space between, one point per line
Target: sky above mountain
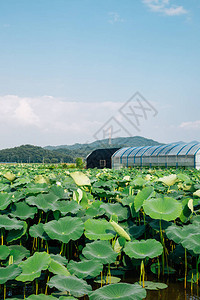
68 70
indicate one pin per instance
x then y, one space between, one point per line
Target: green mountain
82 150
67 153
30 153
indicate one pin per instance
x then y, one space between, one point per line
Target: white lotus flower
58 183
169 180
148 177
127 178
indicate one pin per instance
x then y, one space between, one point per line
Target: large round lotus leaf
192 242
169 180
14 235
10 176
17 196
75 286
175 233
122 291
32 267
5 200
142 249
41 297
98 229
144 194
85 268
4 252
67 298
33 189
65 229
37 230
8 223
150 285
61 259
100 250
66 207
43 201
57 268
116 209
9 273
166 208
107 280
18 253
80 178
23 211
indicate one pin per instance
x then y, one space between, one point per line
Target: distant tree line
34 154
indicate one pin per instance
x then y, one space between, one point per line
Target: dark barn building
100 158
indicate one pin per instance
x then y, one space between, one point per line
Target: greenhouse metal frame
170 155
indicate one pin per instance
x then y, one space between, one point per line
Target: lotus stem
62 247
46 289
25 290
158 268
47 247
2 236
163 254
4 291
192 284
197 271
36 287
185 283
101 278
142 274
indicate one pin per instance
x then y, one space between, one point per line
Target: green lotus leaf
192 242
61 259
144 194
150 285
57 268
175 233
4 252
85 268
128 200
116 209
65 229
44 202
98 229
144 248
136 231
75 286
33 189
32 266
107 280
8 223
120 230
5 200
18 253
23 211
37 230
122 291
80 178
41 297
138 182
66 207
41 179
100 250
95 209
9 273
67 298
166 208
14 235
10 176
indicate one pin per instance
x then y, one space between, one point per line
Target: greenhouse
170 155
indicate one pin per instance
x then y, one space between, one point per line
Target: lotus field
70 234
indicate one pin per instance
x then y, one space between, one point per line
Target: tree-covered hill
30 153
67 154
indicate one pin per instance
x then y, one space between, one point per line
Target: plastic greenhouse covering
175 155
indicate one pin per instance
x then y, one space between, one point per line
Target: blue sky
90 54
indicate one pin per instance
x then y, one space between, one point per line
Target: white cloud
114 17
48 120
190 125
165 7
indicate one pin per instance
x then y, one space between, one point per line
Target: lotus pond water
98 234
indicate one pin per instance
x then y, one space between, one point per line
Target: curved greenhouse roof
175 154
